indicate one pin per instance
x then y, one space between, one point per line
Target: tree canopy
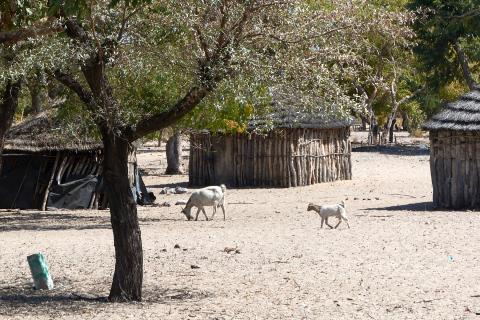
448 40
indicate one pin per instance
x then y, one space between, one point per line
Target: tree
383 62
210 44
174 153
8 106
448 40
20 21
396 104
9 17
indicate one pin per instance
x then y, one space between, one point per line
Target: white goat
208 196
326 211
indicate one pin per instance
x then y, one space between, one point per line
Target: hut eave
21 145
460 115
43 133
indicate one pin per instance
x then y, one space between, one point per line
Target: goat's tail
224 188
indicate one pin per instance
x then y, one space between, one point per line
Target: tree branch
69 81
11 37
463 61
125 19
202 42
76 31
471 13
411 96
167 118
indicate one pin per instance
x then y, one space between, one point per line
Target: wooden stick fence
283 158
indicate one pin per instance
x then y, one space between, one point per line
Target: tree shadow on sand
418 207
15 301
41 221
169 185
396 150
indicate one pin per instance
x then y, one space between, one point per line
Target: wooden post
39 269
52 176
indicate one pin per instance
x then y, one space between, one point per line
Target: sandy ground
400 259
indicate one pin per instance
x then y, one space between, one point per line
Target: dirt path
400 259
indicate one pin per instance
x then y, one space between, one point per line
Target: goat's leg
326 222
346 221
214 211
223 209
321 224
339 221
198 211
205 214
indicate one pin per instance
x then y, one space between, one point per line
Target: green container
39 268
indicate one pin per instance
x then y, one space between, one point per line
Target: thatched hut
49 164
455 153
300 149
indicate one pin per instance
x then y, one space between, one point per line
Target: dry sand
399 260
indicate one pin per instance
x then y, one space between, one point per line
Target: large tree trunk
174 154
160 136
373 129
37 100
405 120
390 131
128 275
8 107
365 121
38 97
38 93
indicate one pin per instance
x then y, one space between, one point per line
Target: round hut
51 164
455 153
300 149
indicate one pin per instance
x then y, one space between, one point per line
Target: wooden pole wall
455 169
283 158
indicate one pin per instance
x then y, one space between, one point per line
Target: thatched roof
45 132
296 119
461 115
288 111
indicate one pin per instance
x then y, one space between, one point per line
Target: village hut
455 153
49 164
300 148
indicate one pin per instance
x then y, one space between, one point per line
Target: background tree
448 48
12 15
20 23
381 61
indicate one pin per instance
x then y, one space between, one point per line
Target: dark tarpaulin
24 178
75 194
143 197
